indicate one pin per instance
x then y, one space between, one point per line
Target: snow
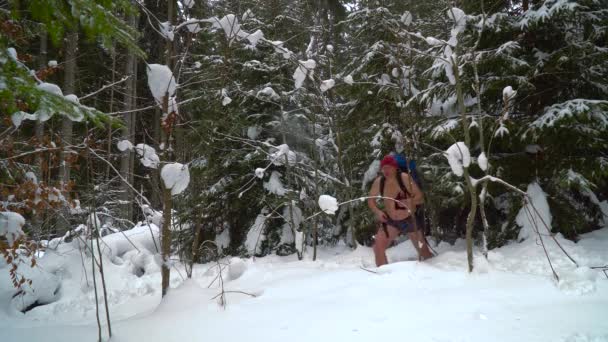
52 63
349 79
531 216
148 156
287 233
433 41
509 297
226 101
278 157
12 53
253 132
160 81
188 3
10 226
327 84
330 48
270 93
72 98
255 235
508 93
328 204
194 27
482 160
222 241
259 172
406 18
501 131
50 88
458 156
176 177
248 14
274 184
230 25
166 30
18 117
305 68
30 176
255 37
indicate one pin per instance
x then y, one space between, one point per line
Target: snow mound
535 214
580 281
236 268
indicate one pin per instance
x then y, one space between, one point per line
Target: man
400 195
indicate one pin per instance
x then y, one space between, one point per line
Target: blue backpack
409 168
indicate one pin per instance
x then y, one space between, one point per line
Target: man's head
389 166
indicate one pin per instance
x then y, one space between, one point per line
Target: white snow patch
269 92
255 235
482 160
10 225
188 3
328 204
406 18
529 219
12 53
259 172
18 117
52 63
274 184
176 177
226 101
253 132
236 268
327 84
508 94
148 156
222 240
304 69
458 156
349 79
166 30
160 81
50 88
30 176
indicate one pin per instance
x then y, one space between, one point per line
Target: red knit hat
389 160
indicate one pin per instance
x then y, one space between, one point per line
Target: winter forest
170 168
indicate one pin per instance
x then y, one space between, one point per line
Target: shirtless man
398 214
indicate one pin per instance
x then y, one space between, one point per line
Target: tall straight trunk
167 199
128 131
71 48
472 189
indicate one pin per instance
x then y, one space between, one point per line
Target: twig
105 87
242 292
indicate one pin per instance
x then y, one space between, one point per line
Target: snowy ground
511 297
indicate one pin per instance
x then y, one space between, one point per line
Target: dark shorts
404 226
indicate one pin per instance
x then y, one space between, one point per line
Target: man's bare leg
420 245
382 242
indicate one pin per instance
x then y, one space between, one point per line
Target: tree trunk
472 189
71 49
128 131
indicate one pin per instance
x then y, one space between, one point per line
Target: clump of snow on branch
124 145
349 79
327 84
528 218
10 226
278 157
166 29
148 156
304 69
188 3
328 204
287 235
482 160
259 172
50 88
508 94
274 184
18 117
459 157
160 81
268 92
176 177
406 18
